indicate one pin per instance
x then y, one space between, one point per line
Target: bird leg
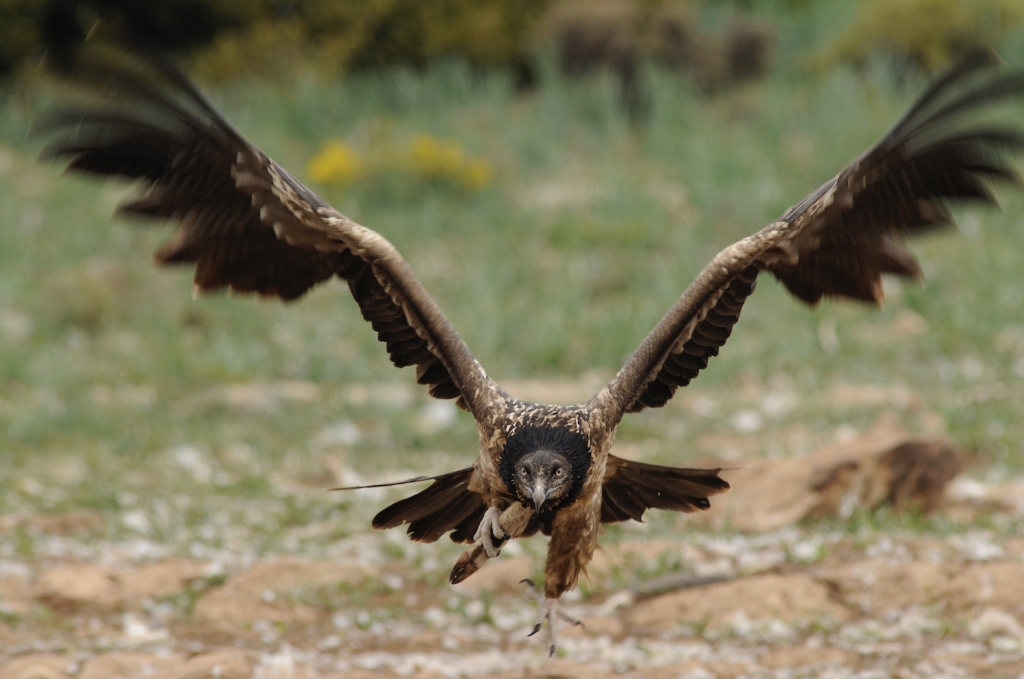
484 547
496 524
547 609
490 528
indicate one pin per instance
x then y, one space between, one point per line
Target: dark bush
748 47
601 35
672 36
268 35
20 31
617 35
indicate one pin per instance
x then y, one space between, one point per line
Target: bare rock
787 597
85 588
883 466
129 666
82 588
161 579
37 666
263 593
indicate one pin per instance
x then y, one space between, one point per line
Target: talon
489 529
527 581
568 618
550 610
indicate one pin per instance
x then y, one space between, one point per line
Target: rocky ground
860 596
786 605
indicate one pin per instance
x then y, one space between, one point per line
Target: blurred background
556 173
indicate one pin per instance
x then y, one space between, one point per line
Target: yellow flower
337 163
434 158
477 174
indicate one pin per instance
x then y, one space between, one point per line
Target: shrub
616 35
748 46
340 37
235 37
20 34
673 37
924 33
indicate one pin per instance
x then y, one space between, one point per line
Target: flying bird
246 224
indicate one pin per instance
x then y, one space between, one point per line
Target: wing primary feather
1005 86
630 488
974 61
447 504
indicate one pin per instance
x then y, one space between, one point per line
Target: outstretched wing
630 488
245 223
839 240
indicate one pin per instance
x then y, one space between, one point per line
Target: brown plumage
246 224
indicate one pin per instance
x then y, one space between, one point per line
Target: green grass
588 234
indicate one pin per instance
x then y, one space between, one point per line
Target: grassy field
214 424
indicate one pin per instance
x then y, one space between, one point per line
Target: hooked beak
540 494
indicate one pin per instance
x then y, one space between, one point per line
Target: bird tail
631 488
446 505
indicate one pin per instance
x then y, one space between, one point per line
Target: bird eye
525 473
559 472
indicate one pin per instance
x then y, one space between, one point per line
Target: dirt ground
793 598
901 607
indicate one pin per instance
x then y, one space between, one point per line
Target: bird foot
488 541
547 609
490 528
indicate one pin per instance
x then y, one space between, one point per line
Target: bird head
543 475
545 467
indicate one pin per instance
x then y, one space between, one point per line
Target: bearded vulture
248 225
